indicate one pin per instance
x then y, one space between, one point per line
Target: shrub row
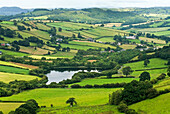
112 85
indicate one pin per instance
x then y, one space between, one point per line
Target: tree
21 111
15 22
49 53
144 76
146 62
79 35
17 48
127 70
60 29
71 101
168 71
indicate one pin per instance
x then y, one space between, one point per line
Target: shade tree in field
144 76
168 71
71 101
146 62
127 70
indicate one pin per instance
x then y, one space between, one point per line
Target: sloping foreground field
158 105
105 109
58 97
7 77
7 107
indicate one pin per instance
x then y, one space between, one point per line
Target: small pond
57 76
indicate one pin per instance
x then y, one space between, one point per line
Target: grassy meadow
104 81
154 63
8 77
58 96
103 109
15 70
158 105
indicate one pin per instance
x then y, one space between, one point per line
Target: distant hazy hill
12 10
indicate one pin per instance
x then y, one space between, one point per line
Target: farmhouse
0 52
130 37
59 39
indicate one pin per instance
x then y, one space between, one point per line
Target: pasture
92 44
106 39
58 96
15 70
127 46
8 52
156 105
104 81
8 77
154 63
101 109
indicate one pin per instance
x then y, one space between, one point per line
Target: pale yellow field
11 64
8 77
7 107
127 46
154 40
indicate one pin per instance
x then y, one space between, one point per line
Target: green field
13 53
105 81
70 54
9 69
82 47
58 97
153 73
154 63
106 39
7 107
105 109
158 105
91 44
8 77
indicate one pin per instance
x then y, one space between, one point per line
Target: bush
122 107
162 76
154 81
22 111
130 111
88 86
75 86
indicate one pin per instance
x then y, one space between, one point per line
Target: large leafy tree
168 71
127 70
146 62
144 76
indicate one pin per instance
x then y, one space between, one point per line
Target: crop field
8 77
127 46
11 64
69 25
166 33
154 63
104 81
58 97
70 54
25 65
106 39
42 26
7 107
9 69
163 83
32 51
154 40
158 105
83 47
93 44
13 53
47 57
104 109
